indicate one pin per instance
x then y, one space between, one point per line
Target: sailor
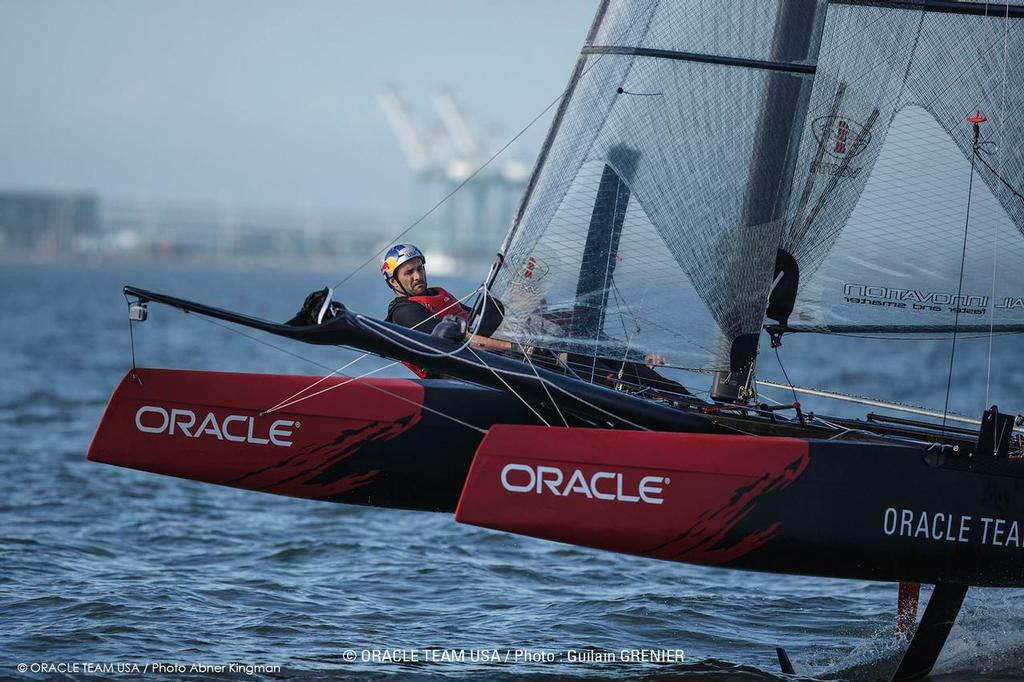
418 306
434 310
415 305
421 307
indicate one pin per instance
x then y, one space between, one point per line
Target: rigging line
633 385
468 178
543 385
433 353
734 428
323 366
289 400
375 328
523 400
889 405
849 429
422 406
960 287
915 337
331 388
597 408
239 332
565 364
629 342
1010 187
995 251
578 73
786 374
633 317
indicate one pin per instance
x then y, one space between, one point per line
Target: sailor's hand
653 359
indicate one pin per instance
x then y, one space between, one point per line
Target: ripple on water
101 563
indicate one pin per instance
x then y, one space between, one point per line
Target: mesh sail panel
729 28
635 237
879 203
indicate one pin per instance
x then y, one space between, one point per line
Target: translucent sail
636 234
879 221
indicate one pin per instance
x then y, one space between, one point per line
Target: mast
796 38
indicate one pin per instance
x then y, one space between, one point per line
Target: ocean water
111 573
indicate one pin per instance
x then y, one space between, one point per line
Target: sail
891 230
642 229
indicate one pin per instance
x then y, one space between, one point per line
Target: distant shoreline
342 266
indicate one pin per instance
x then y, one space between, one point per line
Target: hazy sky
269 103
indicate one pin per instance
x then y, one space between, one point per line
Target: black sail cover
879 220
637 233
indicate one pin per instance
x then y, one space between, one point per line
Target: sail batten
992 8
946 329
787 67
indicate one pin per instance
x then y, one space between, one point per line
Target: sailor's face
412 276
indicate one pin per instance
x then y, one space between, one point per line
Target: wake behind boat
711 174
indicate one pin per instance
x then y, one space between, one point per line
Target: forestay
879 214
637 233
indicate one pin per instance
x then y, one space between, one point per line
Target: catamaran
717 172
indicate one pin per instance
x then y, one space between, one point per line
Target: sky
262 103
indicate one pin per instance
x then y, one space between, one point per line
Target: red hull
786 505
378 442
673 496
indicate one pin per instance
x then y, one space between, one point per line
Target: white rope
290 400
384 332
636 324
286 401
464 346
374 371
512 390
483 306
476 172
424 407
323 366
554 403
431 352
331 388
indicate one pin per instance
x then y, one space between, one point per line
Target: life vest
440 304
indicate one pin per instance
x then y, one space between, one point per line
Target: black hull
880 508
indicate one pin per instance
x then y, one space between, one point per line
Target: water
102 565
